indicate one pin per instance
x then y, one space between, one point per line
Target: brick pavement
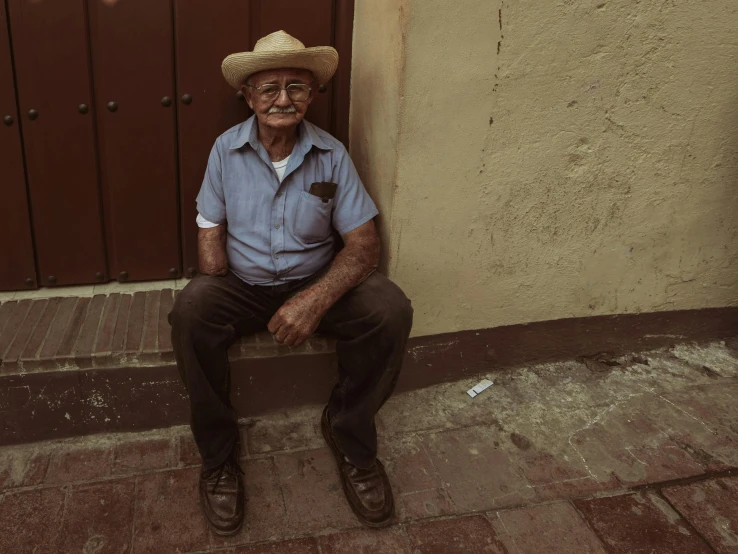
633 457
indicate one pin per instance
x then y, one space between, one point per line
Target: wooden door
51 55
118 104
133 67
17 268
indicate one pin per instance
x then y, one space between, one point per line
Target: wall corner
377 71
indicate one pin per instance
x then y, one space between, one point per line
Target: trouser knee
189 308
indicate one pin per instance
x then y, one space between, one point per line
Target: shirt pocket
312 218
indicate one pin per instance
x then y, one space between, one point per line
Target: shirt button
279 195
276 226
276 256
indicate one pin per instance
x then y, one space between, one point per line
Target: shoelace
230 466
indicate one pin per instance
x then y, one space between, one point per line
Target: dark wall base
38 406
441 358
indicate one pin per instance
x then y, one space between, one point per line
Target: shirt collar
307 136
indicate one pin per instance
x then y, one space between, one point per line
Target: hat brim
321 60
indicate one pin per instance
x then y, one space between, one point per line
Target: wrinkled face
279 97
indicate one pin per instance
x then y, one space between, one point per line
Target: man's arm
211 250
357 260
298 318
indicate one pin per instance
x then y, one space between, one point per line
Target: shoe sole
217 531
338 456
225 533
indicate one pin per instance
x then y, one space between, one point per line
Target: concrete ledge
82 397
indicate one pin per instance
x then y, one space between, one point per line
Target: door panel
17 269
52 72
215 107
311 23
341 92
133 67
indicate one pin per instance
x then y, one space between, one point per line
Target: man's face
280 111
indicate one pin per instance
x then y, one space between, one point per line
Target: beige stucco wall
580 160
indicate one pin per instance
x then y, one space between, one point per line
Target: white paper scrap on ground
484 384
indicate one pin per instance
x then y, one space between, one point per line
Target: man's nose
283 100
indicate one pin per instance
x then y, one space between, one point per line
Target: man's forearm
211 250
350 267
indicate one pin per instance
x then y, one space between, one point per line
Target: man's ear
247 96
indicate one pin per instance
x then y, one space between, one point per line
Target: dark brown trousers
371 324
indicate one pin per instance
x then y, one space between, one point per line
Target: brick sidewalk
621 456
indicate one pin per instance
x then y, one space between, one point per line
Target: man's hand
297 319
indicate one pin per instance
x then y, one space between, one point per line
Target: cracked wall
537 161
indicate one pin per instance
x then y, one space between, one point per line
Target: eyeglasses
297 92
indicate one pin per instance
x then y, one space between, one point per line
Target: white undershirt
279 167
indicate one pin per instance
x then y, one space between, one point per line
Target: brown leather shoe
368 491
222 496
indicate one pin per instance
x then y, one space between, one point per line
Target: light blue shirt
278 232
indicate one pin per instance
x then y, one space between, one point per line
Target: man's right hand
297 319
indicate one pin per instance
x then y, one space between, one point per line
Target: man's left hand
296 320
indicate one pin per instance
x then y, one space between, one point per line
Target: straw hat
276 51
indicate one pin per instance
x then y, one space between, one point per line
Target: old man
276 193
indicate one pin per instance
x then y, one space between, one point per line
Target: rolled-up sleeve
352 206
211 200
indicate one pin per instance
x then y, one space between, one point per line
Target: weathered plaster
552 160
